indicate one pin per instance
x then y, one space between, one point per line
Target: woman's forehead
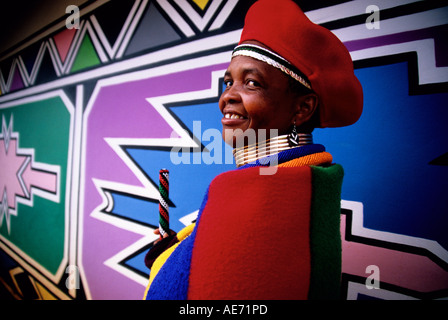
245 65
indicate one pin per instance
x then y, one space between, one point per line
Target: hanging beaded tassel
164 218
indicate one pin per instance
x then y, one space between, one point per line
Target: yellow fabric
158 263
310 160
185 232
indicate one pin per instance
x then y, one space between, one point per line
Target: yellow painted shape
44 293
201 3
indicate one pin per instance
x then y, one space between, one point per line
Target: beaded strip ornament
271 58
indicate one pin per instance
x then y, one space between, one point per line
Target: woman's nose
231 95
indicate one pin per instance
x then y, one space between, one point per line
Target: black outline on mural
144 61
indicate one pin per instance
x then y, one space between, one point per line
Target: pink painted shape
63 40
41 179
406 270
10 164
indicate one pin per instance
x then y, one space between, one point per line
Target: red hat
321 57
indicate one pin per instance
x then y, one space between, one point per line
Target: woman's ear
305 107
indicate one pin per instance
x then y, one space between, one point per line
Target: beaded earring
293 136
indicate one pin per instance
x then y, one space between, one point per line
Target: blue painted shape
138 263
386 155
188 181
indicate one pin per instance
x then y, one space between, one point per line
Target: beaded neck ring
253 152
271 58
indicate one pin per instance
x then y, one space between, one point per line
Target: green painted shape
39 230
87 56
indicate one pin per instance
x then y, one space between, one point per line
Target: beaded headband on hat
271 58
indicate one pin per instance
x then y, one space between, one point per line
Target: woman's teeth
233 116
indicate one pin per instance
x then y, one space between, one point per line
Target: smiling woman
258 96
287 76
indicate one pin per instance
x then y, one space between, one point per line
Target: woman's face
256 96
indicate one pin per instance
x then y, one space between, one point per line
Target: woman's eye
228 83
252 83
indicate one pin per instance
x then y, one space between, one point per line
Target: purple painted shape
17 82
121 110
437 33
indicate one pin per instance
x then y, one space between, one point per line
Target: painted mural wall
93 108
